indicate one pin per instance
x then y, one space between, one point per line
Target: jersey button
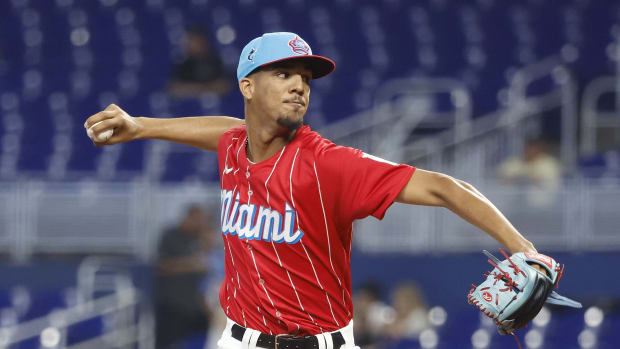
247 174
261 281
249 247
278 314
250 192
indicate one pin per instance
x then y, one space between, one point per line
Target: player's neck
262 143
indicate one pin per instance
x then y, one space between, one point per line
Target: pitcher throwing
289 198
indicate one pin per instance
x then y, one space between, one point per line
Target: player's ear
246 86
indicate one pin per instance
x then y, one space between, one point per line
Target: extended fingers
112 107
109 112
100 116
104 125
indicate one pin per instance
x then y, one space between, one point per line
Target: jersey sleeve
225 142
360 184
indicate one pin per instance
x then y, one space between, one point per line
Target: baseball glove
514 291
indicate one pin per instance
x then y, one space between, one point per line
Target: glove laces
508 282
516 339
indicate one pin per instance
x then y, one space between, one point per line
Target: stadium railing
108 312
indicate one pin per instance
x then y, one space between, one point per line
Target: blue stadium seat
85 330
608 334
43 302
179 166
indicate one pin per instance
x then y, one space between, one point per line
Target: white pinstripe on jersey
232 258
329 247
252 252
238 150
274 247
306 251
270 174
272 244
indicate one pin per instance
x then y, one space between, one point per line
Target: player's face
282 93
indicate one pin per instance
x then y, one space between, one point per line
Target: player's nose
297 84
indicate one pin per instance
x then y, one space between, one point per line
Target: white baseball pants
251 336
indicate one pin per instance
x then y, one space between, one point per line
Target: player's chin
291 122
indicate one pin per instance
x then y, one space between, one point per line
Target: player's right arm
201 132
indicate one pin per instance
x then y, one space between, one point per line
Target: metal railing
128 218
400 106
498 135
581 215
92 217
594 120
125 321
466 148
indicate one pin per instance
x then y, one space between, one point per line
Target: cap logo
487 296
251 55
299 46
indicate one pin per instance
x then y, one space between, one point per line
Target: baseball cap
277 47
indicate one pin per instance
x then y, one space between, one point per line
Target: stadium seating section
63 60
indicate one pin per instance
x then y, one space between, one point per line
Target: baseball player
289 198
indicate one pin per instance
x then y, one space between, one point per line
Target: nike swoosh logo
227 170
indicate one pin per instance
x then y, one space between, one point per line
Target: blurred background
117 247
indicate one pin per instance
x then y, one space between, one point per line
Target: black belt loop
337 339
237 332
287 341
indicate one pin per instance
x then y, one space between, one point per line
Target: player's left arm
436 189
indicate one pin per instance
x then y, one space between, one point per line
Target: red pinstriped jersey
287 225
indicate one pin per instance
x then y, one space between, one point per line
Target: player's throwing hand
111 126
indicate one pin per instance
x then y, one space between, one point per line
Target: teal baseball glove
514 291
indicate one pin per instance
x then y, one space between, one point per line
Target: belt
287 341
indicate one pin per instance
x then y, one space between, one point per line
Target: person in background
538 170
411 313
181 311
201 71
371 315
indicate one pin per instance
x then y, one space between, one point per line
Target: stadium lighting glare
593 316
33 37
587 339
534 339
486 321
429 339
50 337
226 35
569 52
80 36
437 316
543 318
385 315
5 336
480 339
